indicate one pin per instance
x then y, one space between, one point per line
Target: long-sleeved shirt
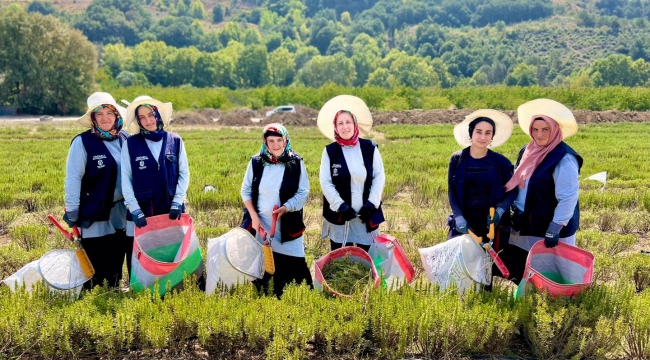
269 196
567 181
127 177
357 232
75 169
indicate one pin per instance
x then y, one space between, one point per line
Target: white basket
460 260
233 258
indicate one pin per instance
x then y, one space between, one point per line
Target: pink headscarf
534 154
354 140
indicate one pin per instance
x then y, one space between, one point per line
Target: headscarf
475 122
280 131
157 134
111 134
534 154
354 140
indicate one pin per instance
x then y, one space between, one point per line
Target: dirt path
307 117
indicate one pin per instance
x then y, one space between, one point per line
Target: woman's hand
255 221
280 211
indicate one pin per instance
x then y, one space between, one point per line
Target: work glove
366 211
175 211
71 217
346 213
461 224
495 220
552 236
138 218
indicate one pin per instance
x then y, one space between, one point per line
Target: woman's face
345 125
105 119
482 135
540 132
275 144
147 118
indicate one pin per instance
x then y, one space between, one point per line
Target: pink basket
563 270
356 254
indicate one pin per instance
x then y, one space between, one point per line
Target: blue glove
496 219
461 224
71 217
175 211
139 219
366 211
552 236
346 213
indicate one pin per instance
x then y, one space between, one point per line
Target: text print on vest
100 162
141 159
336 168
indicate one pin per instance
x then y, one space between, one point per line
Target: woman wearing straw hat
277 176
477 174
155 173
93 191
547 174
351 174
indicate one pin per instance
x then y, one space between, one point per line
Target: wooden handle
56 223
275 221
490 234
476 237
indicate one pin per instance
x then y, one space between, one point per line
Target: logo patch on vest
100 161
100 164
335 171
141 159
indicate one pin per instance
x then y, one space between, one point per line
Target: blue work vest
341 179
154 183
540 198
98 182
293 225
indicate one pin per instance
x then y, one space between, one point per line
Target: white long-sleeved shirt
127 177
566 176
269 196
357 232
75 169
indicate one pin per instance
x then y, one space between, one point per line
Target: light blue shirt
127 177
269 196
75 169
567 180
357 232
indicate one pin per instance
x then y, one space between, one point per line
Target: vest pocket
145 201
92 208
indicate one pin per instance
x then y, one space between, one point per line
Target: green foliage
48 69
217 14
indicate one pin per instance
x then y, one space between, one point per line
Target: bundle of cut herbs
345 275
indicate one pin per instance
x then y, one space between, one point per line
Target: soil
307 117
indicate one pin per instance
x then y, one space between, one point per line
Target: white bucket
233 258
460 260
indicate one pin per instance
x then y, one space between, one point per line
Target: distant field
417 322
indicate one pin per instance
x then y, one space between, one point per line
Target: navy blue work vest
154 183
540 198
292 221
98 182
341 179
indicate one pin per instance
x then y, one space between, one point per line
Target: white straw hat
94 101
551 108
350 103
502 123
165 110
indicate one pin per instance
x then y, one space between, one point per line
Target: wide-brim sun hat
350 103
551 108
165 110
502 123
93 102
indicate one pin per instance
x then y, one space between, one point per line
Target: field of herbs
610 320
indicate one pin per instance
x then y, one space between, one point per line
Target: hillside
386 43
